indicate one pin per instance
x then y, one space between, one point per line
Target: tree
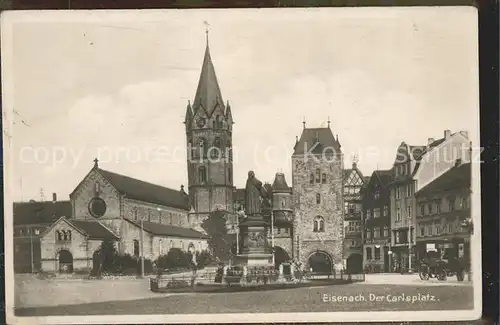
220 242
104 258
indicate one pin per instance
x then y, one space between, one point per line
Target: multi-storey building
353 245
442 207
377 223
317 167
415 167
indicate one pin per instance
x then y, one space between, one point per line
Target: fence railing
185 280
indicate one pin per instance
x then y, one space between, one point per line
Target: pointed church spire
208 95
228 114
189 113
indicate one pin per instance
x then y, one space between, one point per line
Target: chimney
54 197
429 141
447 134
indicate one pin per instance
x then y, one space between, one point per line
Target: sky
115 85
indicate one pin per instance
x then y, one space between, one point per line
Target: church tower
209 126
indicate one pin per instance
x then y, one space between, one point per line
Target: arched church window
318 174
58 235
202 174
68 234
318 198
323 178
202 147
216 150
136 248
312 178
319 224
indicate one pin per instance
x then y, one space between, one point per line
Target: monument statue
255 193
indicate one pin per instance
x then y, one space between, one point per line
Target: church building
110 206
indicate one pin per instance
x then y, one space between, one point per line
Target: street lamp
390 260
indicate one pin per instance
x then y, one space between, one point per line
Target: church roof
94 229
26 213
168 230
315 140
143 191
208 95
279 184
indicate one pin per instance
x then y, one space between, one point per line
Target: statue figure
254 195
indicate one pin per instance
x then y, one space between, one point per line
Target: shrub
178 284
175 259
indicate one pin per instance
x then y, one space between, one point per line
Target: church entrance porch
65 261
320 263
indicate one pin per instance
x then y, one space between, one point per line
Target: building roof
208 95
428 148
168 230
385 176
316 139
279 184
147 192
456 177
239 195
94 229
26 213
346 173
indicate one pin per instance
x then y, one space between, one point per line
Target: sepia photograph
241 165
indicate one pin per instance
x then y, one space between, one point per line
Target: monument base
255 259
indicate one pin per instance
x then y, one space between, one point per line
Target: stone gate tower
318 200
209 143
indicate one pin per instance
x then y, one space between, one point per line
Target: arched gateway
320 262
65 259
280 256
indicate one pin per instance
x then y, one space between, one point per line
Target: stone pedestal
255 249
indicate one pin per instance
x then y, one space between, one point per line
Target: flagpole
142 248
